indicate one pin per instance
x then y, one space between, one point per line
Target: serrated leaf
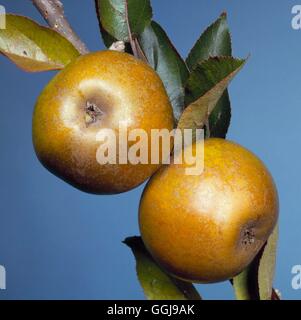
33 47
215 42
164 58
266 269
205 87
117 17
156 284
256 281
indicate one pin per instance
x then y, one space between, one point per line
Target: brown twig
53 13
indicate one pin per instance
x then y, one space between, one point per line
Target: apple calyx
93 113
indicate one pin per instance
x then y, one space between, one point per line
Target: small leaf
164 58
117 17
205 87
215 42
256 281
266 270
157 284
33 47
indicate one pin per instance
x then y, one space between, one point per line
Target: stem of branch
53 13
132 42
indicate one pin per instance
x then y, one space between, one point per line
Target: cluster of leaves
197 88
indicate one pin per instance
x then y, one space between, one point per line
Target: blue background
57 242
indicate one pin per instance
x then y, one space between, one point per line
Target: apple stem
118 46
53 13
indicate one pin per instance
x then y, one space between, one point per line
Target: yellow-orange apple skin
101 90
207 228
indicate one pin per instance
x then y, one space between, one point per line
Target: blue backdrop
56 242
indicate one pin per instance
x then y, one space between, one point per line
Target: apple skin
207 228
125 91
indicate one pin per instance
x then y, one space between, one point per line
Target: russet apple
209 227
100 90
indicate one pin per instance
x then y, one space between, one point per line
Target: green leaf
164 58
266 269
117 17
220 117
33 47
157 284
256 281
108 40
241 286
245 284
214 42
205 87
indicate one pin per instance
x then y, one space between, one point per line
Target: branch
53 13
